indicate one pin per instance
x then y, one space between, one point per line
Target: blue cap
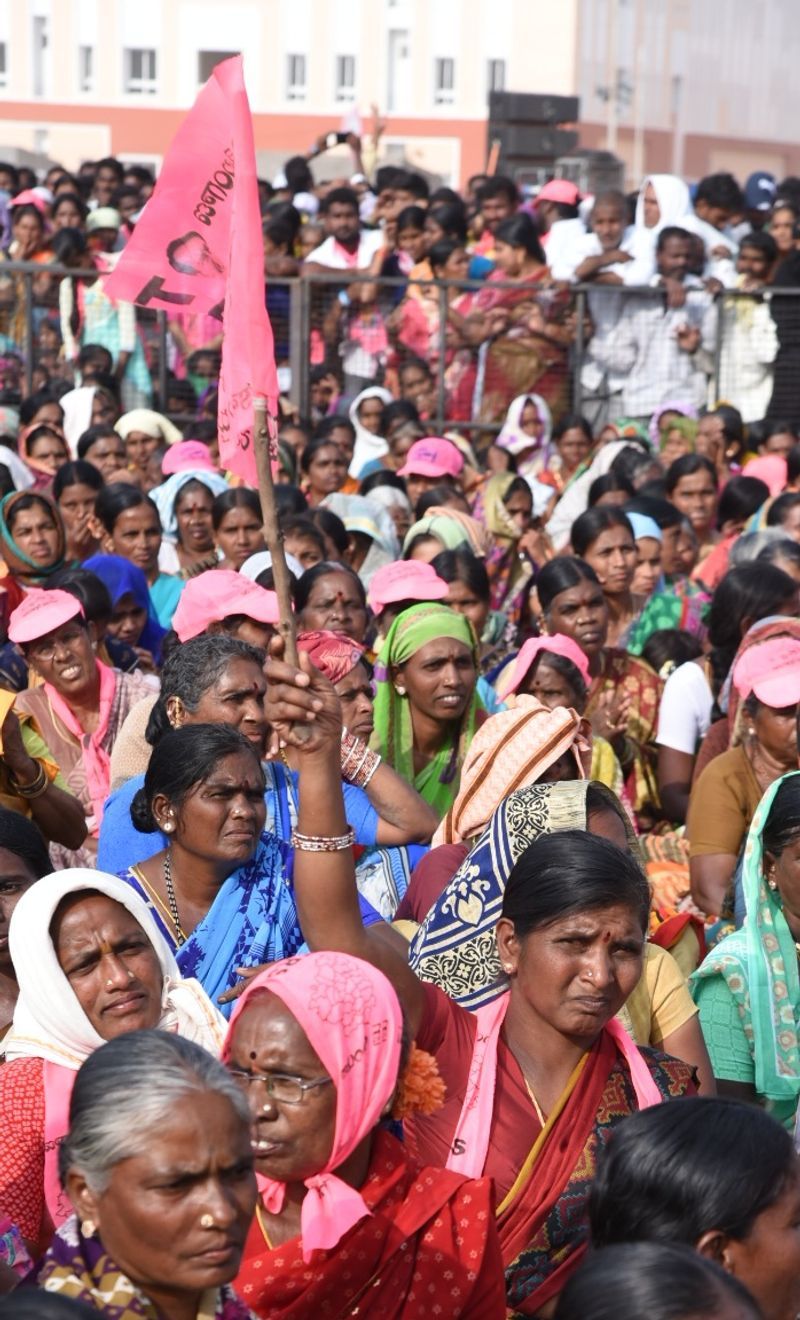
759 191
643 526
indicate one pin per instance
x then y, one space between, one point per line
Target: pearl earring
401 692
169 826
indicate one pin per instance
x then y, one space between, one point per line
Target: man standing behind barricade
349 315
600 259
657 346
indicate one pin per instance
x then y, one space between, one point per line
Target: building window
295 77
444 81
207 61
41 41
345 77
496 76
86 68
3 64
140 72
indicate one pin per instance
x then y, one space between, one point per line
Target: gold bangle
35 789
323 842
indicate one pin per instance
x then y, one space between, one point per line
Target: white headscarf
675 208
21 474
77 405
368 446
513 439
148 422
165 496
359 514
49 1023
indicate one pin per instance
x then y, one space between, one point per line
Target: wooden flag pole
272 531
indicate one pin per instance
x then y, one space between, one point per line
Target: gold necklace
536 1105
262 1225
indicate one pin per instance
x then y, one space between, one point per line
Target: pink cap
559 190
187 454
40 613
433 457
769 468
771 672
405 579
215 595
558 644
29 197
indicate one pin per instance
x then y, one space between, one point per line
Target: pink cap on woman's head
40 613
187 454
405 579
433 457
558 644
29 197
771 672
559 190
216 595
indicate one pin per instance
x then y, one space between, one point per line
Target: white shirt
684 716
335 257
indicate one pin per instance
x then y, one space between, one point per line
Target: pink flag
198 248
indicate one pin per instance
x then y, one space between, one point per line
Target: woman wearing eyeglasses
317 1044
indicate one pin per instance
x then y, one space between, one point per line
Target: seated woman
574 903
654 1280
505 505
748 990
455 947
713 1174
427 709
335 1187
219 679
331 596
324 469
217 891
24 859
745 595
128 525
185 504
624 692
469 593
725 797
444 527
90 965
75 488
44 450
693 487
555 670
572 442
32 543
79 707
603 539
133 620
137 1245
238 526
143 431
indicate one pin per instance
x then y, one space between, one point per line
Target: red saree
429 1248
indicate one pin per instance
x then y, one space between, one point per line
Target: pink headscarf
333 654
471 1141
352 1018
558 644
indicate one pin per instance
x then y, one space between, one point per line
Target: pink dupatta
471 1141
95 758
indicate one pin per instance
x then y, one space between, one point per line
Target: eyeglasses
286 1090
46 650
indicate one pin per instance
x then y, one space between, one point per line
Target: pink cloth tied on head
333 654
769 468
351 1016
558 644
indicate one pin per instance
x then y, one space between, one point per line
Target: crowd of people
453 970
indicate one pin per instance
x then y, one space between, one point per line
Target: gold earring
88 1228
771 881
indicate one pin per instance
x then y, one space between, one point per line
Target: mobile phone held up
335 139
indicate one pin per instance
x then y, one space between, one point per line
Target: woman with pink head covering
318 1045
